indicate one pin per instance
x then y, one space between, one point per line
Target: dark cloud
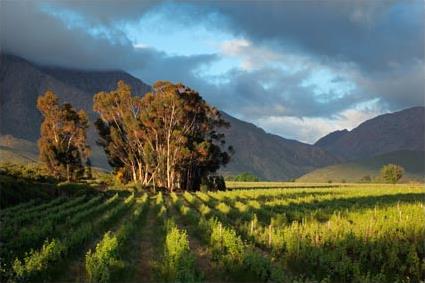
370 33
377 45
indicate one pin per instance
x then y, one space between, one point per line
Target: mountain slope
412 161
21 82
269 156
403 130
17 150
331 138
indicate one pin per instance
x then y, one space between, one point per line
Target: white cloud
141 45
309 130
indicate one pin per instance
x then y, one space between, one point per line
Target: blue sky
299 69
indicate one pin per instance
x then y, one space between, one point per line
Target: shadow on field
354 258
282 196
323 210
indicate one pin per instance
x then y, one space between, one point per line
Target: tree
392 173
121 132
167 137
246 177
62 142
366 179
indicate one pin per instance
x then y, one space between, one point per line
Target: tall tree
120 131
62 142
167 137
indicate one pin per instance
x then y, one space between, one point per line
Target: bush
366 179
29 172
179 262
100 261
246 177
392 173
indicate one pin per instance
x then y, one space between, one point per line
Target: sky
299 69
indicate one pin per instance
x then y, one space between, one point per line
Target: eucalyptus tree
63 138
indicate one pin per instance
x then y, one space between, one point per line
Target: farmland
261 232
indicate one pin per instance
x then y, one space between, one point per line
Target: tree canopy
168 137
62 142
392 173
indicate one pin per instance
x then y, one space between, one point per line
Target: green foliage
227 247
179 263
100 262
29 172
366 179
243 177
392 173
363 233
36 263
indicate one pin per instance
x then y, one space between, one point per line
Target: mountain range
266 155
402 130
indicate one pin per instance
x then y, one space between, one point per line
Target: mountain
17 150
21 82
268 156
412 161
403 130
331 138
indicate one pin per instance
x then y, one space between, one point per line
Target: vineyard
350 233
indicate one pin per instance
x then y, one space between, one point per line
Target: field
256 232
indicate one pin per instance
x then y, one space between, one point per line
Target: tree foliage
243 177
392 173
62 142
167 138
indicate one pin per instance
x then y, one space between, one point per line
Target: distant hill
331 138
17 150
403 130
412 161
267 156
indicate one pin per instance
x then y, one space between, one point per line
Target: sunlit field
360 233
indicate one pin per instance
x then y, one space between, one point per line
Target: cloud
367 33
296 69
310 129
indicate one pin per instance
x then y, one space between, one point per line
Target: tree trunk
133 172
68 177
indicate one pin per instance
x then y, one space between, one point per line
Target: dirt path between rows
75 267
145 263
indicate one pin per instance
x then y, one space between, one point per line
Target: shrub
246 177
392 173
179 263
366 179
100 262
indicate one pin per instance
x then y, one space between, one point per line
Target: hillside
412 161
17 150
268 156
403 130
21 82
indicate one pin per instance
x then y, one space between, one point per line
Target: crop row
36 265
106 259
357 245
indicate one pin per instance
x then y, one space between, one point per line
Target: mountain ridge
265 155
400 130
